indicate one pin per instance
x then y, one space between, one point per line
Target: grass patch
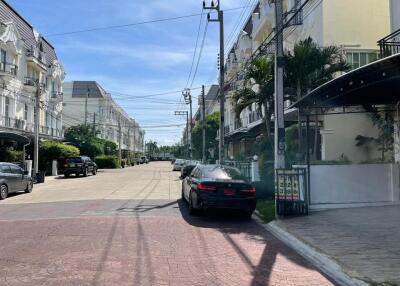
267 210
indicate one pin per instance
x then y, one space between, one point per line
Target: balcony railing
226 129
31 81
238 124
390 45
254 116
56 95
23 125
9 68
37 54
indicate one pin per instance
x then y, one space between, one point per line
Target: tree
258 88
152 148
384 121
308 67
85 138
211 127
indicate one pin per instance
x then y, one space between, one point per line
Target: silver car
178 164
13 179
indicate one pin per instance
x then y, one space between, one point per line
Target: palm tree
258 88
308 67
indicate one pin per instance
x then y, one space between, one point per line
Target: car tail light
65 165
249 190
206 188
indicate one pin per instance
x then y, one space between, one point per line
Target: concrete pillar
396 144
255 169
28 167
54 169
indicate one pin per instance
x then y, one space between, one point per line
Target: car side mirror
26 173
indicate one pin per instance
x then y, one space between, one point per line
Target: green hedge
107 162
10 155
55 150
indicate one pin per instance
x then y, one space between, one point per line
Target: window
7 107
16 170
26 111
5 169
53 88
3 60
359 59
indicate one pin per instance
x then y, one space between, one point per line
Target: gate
291 192
243 166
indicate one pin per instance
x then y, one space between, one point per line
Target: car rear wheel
3 192
94 171
85 172
29 187
66 175
183 196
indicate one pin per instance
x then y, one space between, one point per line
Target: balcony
390 45
254 116
15 123
8 69
56 96
36 56
238 124
226 129
30 81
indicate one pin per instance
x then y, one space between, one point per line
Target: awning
377 83
15 137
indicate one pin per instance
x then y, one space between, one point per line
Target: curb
319 260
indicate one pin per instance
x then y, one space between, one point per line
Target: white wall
395 14
354 184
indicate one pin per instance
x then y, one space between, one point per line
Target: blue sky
138 60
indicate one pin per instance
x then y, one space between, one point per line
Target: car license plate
229 192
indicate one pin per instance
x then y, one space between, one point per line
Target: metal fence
243 166
291 193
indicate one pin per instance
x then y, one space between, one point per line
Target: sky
137 60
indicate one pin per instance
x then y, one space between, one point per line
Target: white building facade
102 112
356 31
28 64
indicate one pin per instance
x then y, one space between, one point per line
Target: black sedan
221 187
79 165
13 179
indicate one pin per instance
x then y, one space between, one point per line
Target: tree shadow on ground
230 223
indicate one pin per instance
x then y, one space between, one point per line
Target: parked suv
79 165
13 179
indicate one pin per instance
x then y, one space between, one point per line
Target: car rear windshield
222 173
74 160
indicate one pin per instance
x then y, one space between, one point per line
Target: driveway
129 227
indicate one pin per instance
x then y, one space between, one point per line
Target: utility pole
221 74
188 100
119 141
187 126
37 119
279 108
86 105
203 117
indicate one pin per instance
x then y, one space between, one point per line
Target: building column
396 144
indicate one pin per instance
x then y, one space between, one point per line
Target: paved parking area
129 227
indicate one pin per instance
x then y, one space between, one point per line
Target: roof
14 137
377 83
212 93
81 88
26 30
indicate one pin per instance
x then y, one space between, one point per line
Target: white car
178 164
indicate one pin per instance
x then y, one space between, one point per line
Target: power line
195 48
200 54
111 27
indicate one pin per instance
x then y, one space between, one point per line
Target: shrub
107 162
10 155
55 150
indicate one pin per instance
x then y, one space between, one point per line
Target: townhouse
29 70
102 112
355 26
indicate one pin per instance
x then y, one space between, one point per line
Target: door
18 175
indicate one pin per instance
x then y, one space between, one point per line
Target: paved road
128 227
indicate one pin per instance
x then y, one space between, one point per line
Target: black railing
9 68
30 81
390 44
